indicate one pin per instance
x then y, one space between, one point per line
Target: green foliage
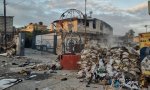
130 33
40 32
28 35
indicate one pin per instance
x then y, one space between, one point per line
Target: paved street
39 55
54 80
55 83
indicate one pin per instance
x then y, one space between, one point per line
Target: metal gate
46 42
72 42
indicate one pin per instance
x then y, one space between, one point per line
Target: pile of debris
118 63
41 67
145 68
47 66
145 64
26 66
9 53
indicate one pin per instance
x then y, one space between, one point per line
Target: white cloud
49 10
138 7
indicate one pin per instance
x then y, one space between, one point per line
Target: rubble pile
117 63
145 64
89 58
11 52
41 67
48 66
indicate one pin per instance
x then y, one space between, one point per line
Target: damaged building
9 27
95 29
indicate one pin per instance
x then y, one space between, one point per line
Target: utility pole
85 23
5 24
146 28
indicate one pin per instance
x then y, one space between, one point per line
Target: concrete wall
9 23
66 25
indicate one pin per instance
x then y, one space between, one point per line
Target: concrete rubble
9 53
145 64
43 66
101 65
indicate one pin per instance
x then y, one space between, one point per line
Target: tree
131 33
129 37
39 32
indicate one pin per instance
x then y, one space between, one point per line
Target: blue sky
126 3
122 15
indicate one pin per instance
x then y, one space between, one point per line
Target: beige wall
31 27
144 39
136 39
65 25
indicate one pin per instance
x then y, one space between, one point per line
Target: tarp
6 83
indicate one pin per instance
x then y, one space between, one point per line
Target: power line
5 23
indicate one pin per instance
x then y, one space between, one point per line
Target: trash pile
9 53
145 69
103 65
43 66
145 64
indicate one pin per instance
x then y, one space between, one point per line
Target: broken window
87 23
101 26
94 24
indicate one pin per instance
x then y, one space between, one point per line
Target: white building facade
94 26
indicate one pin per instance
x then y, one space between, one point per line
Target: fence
46 42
